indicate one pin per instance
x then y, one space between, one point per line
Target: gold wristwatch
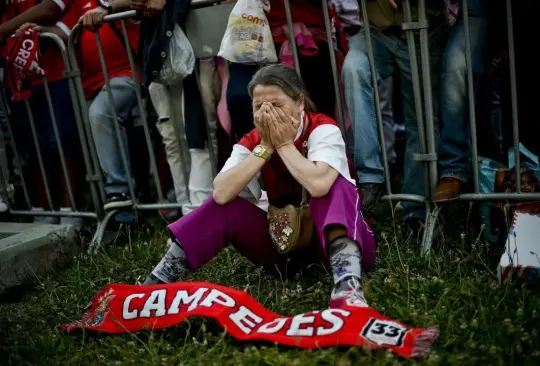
260 152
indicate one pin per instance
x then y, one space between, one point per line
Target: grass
481 321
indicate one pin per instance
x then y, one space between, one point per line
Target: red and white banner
127 308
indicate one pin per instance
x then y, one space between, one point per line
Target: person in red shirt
90 13
19 13
285 123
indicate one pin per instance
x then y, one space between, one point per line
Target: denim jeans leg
386 88
414 177
455 149
356 77
103 131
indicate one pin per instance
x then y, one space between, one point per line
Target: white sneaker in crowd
52 220
3 205
76 222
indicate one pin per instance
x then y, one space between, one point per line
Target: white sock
172 267
345 260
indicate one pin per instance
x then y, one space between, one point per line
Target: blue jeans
455 148
103 131
356 75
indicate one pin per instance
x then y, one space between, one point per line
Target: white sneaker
76 222
50 220
3 205
353 295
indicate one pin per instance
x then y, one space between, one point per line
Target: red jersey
50 58
114 49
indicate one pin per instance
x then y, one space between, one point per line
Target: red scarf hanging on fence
127 308
22 66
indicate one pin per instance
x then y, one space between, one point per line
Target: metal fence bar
153 166
411 43
180 132
471 95
18 164
83 139
482 197
4 169
291 37
428 100
374 81
333 64
209 129
404 197
513 93
122 148
39 156
59 145
54 123
83 123
87 215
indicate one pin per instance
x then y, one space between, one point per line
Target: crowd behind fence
417 32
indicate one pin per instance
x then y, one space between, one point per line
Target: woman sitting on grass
272 154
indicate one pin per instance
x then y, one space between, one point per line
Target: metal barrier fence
423 102
93 176
428 153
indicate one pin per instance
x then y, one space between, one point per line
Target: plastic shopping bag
180 59
495 177
248 38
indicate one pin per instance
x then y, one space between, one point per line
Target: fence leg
432 219
210 130
376 98
97 240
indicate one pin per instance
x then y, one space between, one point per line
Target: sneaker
3 205
348 292
117 200
76 222
371 192
50 220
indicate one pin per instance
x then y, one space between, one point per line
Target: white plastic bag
180 59
248 38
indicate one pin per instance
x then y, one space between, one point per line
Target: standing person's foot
447 190
3 205
348 292
371 192
117 200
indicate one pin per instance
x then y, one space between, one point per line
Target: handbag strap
304 154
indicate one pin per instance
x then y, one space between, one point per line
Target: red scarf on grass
127 308
22 66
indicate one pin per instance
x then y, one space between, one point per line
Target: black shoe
371 192
117 200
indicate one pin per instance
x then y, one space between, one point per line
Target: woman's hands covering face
283 126
261 122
